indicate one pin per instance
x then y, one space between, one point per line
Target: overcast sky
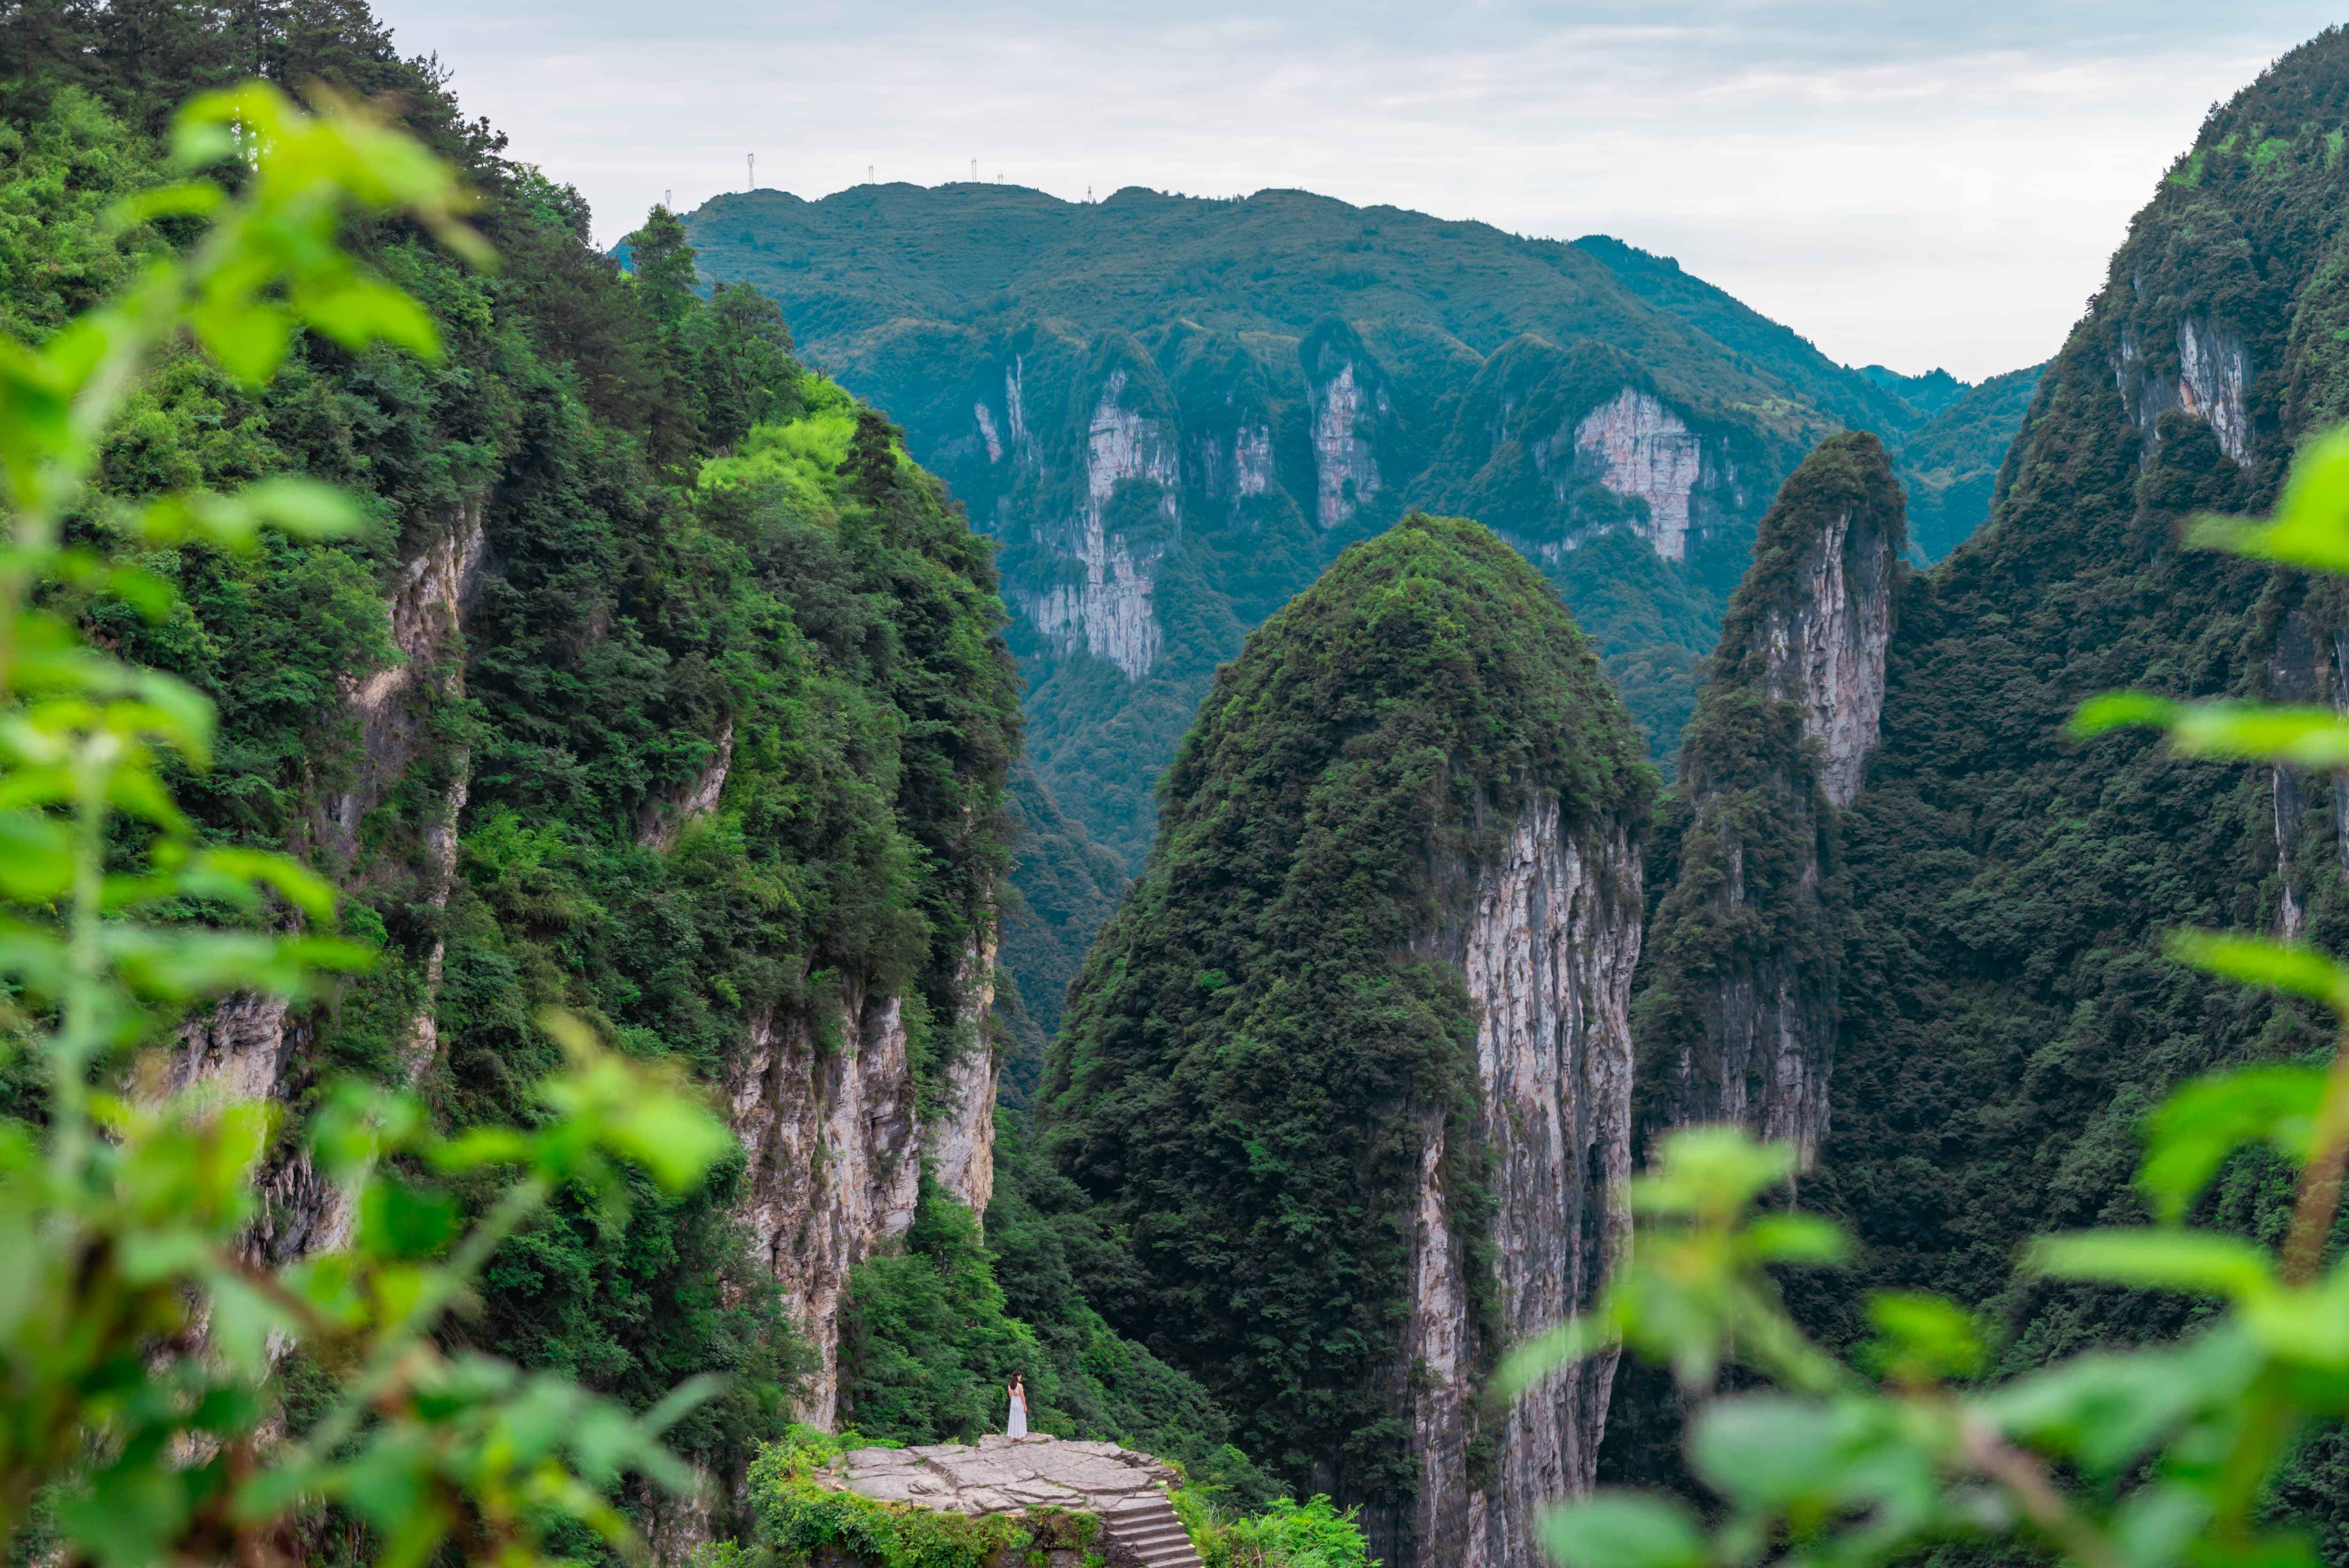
1915 185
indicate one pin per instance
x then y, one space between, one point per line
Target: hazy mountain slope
1928 394
1856 398
1949 464
874 258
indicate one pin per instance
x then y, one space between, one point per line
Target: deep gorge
1200 833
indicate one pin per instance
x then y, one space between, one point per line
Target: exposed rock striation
1739 1007
252 1048
825 1108
1547 956
1345 465
2206 379
825 1105
1127 516
1554 447
1639 446
1351 1069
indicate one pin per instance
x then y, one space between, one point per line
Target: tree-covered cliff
2008 1014
661 685
1398 854
1739 992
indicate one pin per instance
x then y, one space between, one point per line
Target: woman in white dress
1018 1407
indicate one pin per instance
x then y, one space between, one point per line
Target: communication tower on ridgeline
752 185
974 170
868 174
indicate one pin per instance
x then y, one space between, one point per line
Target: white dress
1018 1415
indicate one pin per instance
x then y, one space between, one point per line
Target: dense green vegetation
813 605
681 565
994 321
1251 1051
177 1388
1949 464
2009 1013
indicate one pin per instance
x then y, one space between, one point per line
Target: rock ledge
1004 1475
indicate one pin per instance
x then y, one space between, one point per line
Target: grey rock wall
1547 951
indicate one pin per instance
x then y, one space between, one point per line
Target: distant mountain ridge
1173 413
1928 394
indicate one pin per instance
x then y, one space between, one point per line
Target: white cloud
1915 185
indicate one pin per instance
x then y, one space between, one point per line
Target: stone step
1156 1541
1168 1556
1148 1530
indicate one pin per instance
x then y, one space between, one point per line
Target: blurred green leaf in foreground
140 1342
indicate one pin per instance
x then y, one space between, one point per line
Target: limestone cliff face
663 818
1741 1001
960 1140
1345 464
2205 379
1547 950
256 1048
1554 447
1823 643
1131 457
1638 447
824 1105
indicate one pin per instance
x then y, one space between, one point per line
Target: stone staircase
1146 1532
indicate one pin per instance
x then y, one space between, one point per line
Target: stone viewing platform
1125 1489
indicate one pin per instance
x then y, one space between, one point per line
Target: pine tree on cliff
1414 792
1736 1016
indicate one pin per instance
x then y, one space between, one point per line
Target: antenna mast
754 184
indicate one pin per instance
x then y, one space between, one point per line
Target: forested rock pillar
1349 1075
1739 1008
